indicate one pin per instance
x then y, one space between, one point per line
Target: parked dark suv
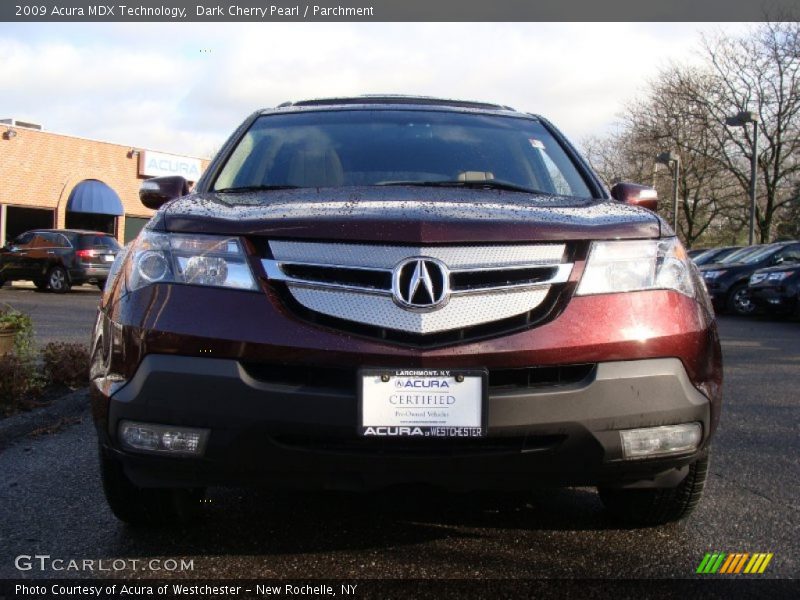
375 291
57 259
727 280
776 290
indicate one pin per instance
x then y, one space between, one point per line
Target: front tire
739 302
659 505
146 507
58 280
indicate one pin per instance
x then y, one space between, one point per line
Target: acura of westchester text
176 589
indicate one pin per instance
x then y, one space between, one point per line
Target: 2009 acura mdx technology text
373 291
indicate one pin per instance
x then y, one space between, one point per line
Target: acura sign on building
155 164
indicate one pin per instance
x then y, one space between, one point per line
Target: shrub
66 364
13 383
20 323
19 382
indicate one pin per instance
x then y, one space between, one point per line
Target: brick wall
38 169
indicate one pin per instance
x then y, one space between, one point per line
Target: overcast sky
182 88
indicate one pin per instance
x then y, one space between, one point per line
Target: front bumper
718 292
774 298
305 436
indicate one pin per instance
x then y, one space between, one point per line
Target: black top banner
399 10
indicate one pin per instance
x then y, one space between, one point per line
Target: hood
790 266
727 266
718 266
406 214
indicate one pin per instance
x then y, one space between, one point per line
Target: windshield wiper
488 184
255 188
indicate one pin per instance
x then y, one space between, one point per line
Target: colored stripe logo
734 563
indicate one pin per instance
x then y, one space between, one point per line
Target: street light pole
741 120
670 159
677 163
753 168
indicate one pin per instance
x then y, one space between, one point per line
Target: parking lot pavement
51 503
56 317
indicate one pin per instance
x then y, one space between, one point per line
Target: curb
22 424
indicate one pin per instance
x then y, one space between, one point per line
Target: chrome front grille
386 257
363 284
381 311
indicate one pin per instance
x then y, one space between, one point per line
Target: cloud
184 87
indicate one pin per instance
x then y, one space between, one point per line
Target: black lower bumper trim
306 437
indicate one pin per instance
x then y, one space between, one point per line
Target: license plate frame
465 416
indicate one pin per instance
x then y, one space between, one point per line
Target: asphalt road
56 317
51 502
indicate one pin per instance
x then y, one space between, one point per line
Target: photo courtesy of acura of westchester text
386 305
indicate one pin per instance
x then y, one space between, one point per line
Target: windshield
739 255
97 241
762 253
714 255
400 147
705 256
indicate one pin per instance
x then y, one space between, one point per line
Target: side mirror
636 195
156 192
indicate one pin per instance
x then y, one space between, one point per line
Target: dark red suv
376 291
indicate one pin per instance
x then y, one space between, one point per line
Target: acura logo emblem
421 283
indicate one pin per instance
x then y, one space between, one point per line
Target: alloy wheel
57 280
742 303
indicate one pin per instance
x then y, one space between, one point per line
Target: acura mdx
377 291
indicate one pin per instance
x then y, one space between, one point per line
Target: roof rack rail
396 99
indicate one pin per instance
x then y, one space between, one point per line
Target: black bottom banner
111 589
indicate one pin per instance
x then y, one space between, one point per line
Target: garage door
19 220
133 225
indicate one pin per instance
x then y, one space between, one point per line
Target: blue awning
93 196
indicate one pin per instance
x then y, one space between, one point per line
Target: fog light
163 438
661 441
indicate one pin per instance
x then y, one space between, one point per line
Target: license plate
422 403
108 257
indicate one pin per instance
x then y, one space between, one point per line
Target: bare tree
685 111
789 226
668 121
615 157
759 72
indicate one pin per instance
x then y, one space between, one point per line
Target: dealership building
50 180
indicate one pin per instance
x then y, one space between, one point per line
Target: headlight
780 275
757 277
194 259
627 266
713 274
